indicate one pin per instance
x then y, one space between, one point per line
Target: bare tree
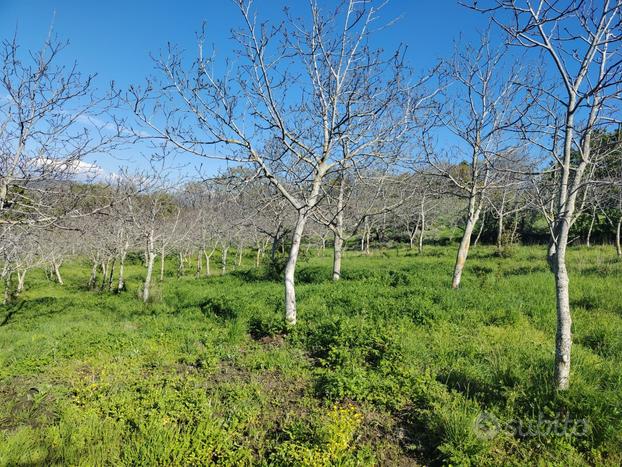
51 120
581 40
290 126
481 105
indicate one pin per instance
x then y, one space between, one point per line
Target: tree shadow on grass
39 307
12 310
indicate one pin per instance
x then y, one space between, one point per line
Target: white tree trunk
240 253
290 270
465 243
150 255
21 277
337 253
500 230
121 282
422 225
618 246
199 265
93 279
589 230
207 262
182 266
59 278
225 250
563 337
338 231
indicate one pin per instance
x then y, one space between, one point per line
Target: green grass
388 366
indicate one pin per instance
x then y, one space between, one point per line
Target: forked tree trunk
465 243
240 253
290 270
105 266
21 277
207 262
59 278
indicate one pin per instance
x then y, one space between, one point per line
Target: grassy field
388 366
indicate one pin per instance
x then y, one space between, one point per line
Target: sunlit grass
386 366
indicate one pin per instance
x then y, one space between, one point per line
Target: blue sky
115 38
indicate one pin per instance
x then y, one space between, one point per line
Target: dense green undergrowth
388 366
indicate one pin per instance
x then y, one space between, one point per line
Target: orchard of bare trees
326 145
337 142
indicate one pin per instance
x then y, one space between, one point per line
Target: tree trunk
290 270
588 238
21 277
422 224
482 224
618 247
225 250
150 255
465 243
207 262
59 278
338 231
199 265
121 282
257 257
111 274
514 227
240 255
500 230
563 337
162 259
104 268
337 253
93 278
7 288
367 236
182 267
